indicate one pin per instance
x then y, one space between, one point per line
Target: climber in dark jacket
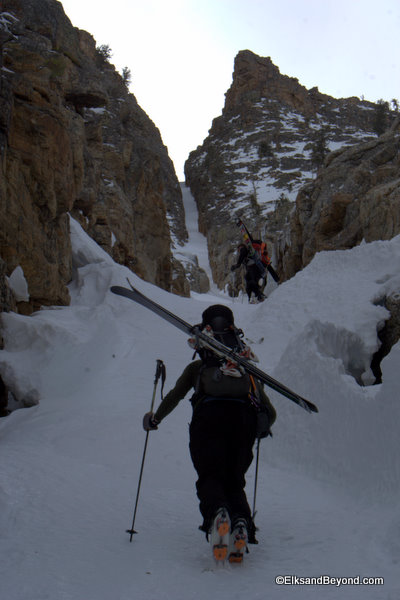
253 274
224 423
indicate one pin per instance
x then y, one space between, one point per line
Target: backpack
218 378
261 249
214 383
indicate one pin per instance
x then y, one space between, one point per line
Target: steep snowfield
329 483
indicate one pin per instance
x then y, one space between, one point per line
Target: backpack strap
197 385
253 393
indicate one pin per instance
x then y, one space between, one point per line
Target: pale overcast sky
181 52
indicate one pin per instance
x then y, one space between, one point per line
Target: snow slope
328 484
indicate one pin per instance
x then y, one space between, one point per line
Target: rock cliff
355 197
271 140
74 141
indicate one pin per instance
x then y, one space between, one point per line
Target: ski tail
238 541
273 273
220 534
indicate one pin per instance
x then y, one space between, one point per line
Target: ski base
238 543
220 552
219 537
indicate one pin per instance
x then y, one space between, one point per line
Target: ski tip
120 290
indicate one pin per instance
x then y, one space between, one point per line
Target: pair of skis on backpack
214 345
228 542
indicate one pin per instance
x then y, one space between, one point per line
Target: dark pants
222 434
252 277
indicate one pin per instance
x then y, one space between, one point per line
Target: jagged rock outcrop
196 278
74 140
355 197
269 142
389 334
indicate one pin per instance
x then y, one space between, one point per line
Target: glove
149 422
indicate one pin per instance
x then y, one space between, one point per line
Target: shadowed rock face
389 334
355 197
73 140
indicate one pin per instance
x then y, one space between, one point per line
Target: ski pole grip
160 370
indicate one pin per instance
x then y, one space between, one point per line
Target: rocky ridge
262 151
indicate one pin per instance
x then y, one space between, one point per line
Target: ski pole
256 479
160 372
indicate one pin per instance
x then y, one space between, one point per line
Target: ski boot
238 541
219 535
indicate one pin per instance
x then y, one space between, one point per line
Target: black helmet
220 319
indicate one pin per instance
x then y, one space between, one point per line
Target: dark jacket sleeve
242 256
184 383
